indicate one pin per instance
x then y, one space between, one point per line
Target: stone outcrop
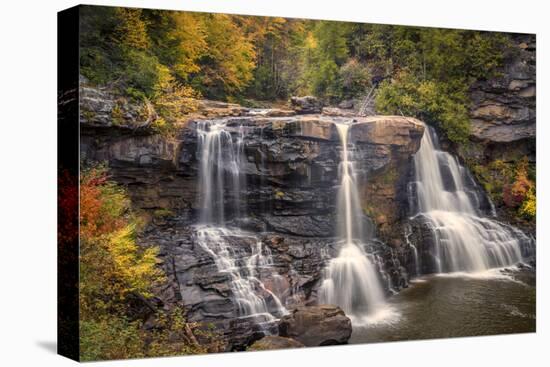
306 104
316 325
272 342
103 107
503 120
503 108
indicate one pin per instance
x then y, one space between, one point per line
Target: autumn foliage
515 193
114 268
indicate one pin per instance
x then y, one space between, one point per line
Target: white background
28 182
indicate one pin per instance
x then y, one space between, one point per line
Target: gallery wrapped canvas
241 183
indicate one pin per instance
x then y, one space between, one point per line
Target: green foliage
226 65
355 78
426 100
280 48
328 52
110 337
436 68
167 57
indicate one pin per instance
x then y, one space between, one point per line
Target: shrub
428 100
355 78
515 193
528 208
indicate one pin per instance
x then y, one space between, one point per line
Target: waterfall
245 272
416 258
351 280
221 161
463 238
218 157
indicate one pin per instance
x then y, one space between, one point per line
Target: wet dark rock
307 226
241 333
316 325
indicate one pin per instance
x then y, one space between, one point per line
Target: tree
227 63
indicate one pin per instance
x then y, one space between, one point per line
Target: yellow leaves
190 31
131 30
112 264
528 208
172 100
136 267
230 58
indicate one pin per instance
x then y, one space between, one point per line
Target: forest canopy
421 72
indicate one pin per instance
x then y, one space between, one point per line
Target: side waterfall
220 176
351 281
463 239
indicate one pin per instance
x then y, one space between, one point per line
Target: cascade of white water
218 158
464 240
249 292
416 259
221 160
351 281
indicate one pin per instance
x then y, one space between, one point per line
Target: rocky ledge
290 169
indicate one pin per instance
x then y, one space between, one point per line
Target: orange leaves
102 204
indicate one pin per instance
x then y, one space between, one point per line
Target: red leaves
67 201
95 192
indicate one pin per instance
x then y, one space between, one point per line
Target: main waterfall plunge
352 280
447 200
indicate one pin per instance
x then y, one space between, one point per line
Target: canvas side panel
68 180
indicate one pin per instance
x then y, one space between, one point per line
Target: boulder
346 104
316 325
306 104
275 342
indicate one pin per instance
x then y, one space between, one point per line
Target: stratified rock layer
504 107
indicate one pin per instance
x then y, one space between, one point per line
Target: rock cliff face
503 119
503 108
291 171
